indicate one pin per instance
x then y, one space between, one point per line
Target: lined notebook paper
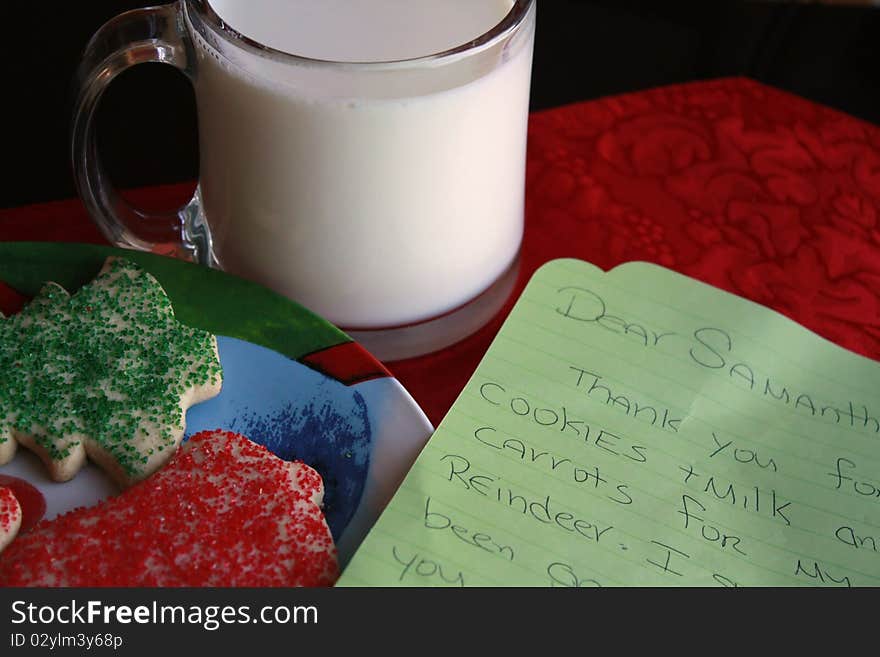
637 427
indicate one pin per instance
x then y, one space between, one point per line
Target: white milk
362 30
361 196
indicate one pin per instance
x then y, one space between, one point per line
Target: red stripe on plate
348 363
11 301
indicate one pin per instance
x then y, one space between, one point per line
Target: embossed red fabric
737 184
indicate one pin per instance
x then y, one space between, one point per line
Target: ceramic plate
292 382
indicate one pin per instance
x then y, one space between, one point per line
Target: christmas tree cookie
106 373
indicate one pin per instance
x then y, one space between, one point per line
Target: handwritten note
637 427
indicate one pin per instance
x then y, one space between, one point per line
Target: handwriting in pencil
559 466
820 574
845 479
741 455
477 539
689 508
542 509
563 575
847 535
749 499
425 571
712 348
548 418
589 382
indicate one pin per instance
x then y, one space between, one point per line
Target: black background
584 49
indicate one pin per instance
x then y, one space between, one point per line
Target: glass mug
382 188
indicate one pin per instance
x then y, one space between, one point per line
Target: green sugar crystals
107 373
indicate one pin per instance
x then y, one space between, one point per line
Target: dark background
584 49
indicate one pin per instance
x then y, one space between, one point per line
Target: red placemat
742 186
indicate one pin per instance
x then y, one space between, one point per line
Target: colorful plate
292 382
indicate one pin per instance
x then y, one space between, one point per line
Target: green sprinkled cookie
106 373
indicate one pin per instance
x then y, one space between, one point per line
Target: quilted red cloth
737 184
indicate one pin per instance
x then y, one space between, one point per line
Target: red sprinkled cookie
10 517
224 512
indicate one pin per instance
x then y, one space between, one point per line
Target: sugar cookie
224 512
106 373
10 517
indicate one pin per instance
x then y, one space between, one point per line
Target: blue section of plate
296 413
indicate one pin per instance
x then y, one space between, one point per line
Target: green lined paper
637 427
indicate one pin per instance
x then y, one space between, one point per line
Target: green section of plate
204 298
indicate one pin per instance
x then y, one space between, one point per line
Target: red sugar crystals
10 517
224 512
30 499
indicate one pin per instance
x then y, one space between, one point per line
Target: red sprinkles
10 516
31 501
224 512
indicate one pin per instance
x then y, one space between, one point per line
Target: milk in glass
376 195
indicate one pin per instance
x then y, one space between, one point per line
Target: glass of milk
365 158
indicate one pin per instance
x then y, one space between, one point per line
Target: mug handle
152 34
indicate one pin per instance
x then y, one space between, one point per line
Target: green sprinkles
110 363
